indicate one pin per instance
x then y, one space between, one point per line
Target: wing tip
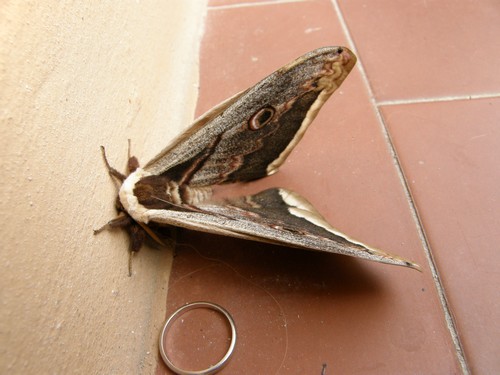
405 263
414 266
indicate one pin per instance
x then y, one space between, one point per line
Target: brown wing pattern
250 135
276 216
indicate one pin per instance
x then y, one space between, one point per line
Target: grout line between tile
450 323
437 99
257 3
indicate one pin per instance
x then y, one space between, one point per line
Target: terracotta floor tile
450 155
225 3
420 49
218 3
295 310
245 3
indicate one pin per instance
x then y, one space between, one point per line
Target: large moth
246 137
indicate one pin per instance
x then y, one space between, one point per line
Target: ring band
195 305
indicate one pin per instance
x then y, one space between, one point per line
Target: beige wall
74 76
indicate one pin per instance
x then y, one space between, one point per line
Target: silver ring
195 305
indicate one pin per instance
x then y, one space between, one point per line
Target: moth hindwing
244 138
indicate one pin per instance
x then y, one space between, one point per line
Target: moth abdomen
194 194
159 192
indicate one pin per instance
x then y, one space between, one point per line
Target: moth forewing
167 158
330 81
224 147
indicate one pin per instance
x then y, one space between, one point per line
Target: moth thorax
194 195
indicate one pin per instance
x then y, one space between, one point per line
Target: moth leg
112 172
151 234
121 221
136 232
130 256
137 235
